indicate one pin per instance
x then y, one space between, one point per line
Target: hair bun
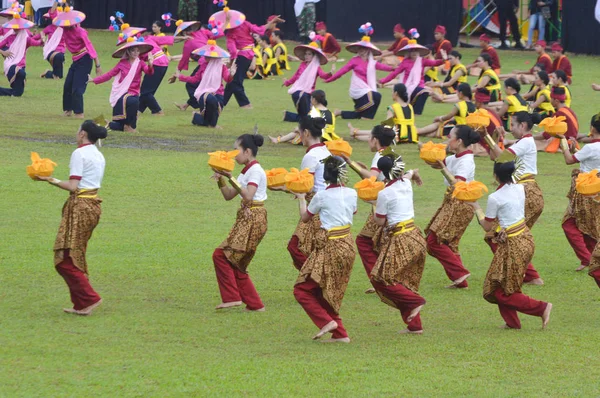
319 122
259 140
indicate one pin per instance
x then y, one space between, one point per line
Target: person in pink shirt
15 57
363 85
240 45
54 47
124 96
83 54
209 80
412 71
305 79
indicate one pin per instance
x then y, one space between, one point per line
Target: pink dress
31 42
240 41
77 42
122 69
320 73
157 42
406 66
359 67
197 77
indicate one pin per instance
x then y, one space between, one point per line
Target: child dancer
234 255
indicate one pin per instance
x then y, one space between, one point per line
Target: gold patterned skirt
373 231
80 215
534 201
248 230
584 209
451 220
595 260
514 253
307 231
402 258
330 264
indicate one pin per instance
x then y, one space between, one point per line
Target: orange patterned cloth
451 220
80 215
584 209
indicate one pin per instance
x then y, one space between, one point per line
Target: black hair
455 54
314 125
465 90
94 132
264 38
331 171
544 76
384 135
513 83
251 141
159 23
504 172
400 89
278 33
320 97
524 117
595 123
542 67
486 58
385 165
561 75
467 135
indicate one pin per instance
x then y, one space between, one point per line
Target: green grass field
157 333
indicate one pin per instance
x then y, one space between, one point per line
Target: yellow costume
546 106
464 109
282 58
404 119
493 85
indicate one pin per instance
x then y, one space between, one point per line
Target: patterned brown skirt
330 265
307 231
595 260
402 259
451 220
80 215
534 201
248 230
509 263
584 209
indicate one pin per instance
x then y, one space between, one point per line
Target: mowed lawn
157 333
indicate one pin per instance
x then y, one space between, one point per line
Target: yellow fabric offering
588 183
299 181
432 152
222 160
339 147
369 188
276 177
479 118
40 167
554 125
469 191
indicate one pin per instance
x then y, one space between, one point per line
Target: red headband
560 97
557 47
484 38
440 29
398 28
541 43
320 26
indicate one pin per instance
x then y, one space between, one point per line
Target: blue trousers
125 112
17 82
302 102
76 84
210 109
418 100
236 86
57 61
364 107
191 89
149 88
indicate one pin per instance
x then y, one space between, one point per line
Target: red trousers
235 285
297 256
596 276
582 244
509 305
367 253
310 297
405 301
450 261
530 274
82 293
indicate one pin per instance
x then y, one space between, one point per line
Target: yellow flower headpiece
211 42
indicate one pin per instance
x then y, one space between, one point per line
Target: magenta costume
301 97
418 96
125 107
240 45
151 82
363 86
14 68
199 39
83 53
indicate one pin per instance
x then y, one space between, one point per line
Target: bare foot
536 282
582 267
258 310
457 282
128 129
546 315
414 313
161 113
337 112
274 140
370 290
340 340
84 312
228 305
505 326
406 331
181 107
249 106
68 113
79 116
43 75
331 326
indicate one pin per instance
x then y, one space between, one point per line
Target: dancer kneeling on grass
234 255
504 278
399 267
125 93
80 215
209 78
323 279
305 79
454 216
54 47
318 101
401 115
